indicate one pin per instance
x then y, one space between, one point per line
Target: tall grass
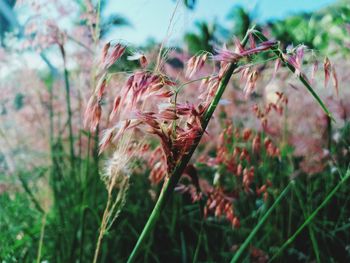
59 211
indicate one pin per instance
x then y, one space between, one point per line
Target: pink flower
106 139
168 114
109 57
101 86
327 71
296 60
314 70
116 105
233 57
105 52
256 144
335 80
226 55
194 64
251 83
95 116
89 112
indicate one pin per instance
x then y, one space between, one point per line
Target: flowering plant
150 103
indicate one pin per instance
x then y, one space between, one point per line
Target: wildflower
244 155
92 113
263 46
220 205
116 104
227 56
213 84
261 190
194 64
248 176
186 138
236 151
246 134
256 144
155 155
235 222
148 118
101 86
296 60
265 196
110 57
327 70
251 83
314 70
106 139
121 128
168 114
271 150
96 116
244 74
165 94
158 172
239 169
105 52
335 80
267 142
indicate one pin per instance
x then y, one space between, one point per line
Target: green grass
309 223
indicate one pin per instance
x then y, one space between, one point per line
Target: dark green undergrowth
73 219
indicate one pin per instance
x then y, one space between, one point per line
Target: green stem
260 224
43 224
69 107
98 20
31 195
82 230
314 213
196 252
171 181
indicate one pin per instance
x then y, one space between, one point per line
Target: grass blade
314 213
252 234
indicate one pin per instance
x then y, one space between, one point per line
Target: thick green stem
252 234
172 180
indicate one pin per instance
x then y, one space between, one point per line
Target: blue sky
150 18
